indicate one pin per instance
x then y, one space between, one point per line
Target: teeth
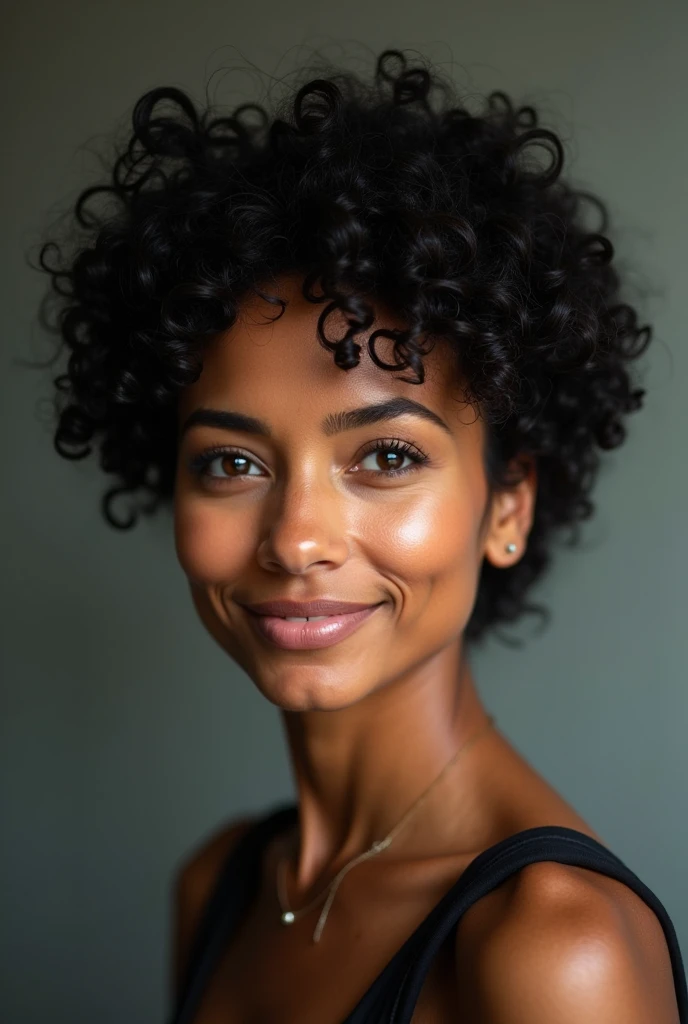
313 618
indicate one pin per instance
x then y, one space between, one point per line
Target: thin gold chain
289 916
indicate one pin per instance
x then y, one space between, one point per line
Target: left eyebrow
337 422
334 423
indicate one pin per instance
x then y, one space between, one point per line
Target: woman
370 356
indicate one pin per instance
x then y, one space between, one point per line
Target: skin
371 721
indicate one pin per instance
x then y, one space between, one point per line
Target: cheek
431 549
210 547
433 537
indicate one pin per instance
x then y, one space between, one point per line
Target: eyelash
199 463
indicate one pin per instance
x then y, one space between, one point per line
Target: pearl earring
511 548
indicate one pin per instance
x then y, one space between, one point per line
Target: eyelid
392 442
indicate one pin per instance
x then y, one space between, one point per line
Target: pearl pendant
288 917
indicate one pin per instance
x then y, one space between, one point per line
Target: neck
359 769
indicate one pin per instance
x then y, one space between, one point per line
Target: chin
308 689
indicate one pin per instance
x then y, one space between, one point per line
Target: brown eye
234 464
387 458
223 464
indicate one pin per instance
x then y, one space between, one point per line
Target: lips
307 609
329 621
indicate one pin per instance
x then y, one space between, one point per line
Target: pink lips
296 636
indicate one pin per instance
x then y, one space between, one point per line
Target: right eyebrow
225 421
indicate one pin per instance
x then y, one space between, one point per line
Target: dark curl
389 191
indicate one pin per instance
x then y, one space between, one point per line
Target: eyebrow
334 423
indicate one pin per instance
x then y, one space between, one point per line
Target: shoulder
558 944
193 882
196 873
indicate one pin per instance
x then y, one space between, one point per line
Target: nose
304 528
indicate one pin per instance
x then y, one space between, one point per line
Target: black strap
491 868
234 891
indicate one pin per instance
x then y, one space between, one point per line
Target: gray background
127 734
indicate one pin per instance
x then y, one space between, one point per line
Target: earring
511 548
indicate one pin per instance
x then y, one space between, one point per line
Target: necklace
289 916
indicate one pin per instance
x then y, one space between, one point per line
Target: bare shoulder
192 885
558 944
197 872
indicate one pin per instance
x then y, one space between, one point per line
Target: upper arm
578 956
192 885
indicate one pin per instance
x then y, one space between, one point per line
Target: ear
510 517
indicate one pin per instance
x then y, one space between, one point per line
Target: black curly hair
388 190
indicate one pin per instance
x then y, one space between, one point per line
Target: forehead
280 368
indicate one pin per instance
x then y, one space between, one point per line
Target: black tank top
392 996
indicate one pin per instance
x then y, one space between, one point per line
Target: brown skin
372 720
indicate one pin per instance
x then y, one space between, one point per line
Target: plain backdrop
127 735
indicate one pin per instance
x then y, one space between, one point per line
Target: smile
309 634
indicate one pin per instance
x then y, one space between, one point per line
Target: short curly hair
389 190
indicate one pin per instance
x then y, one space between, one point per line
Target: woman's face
310 509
